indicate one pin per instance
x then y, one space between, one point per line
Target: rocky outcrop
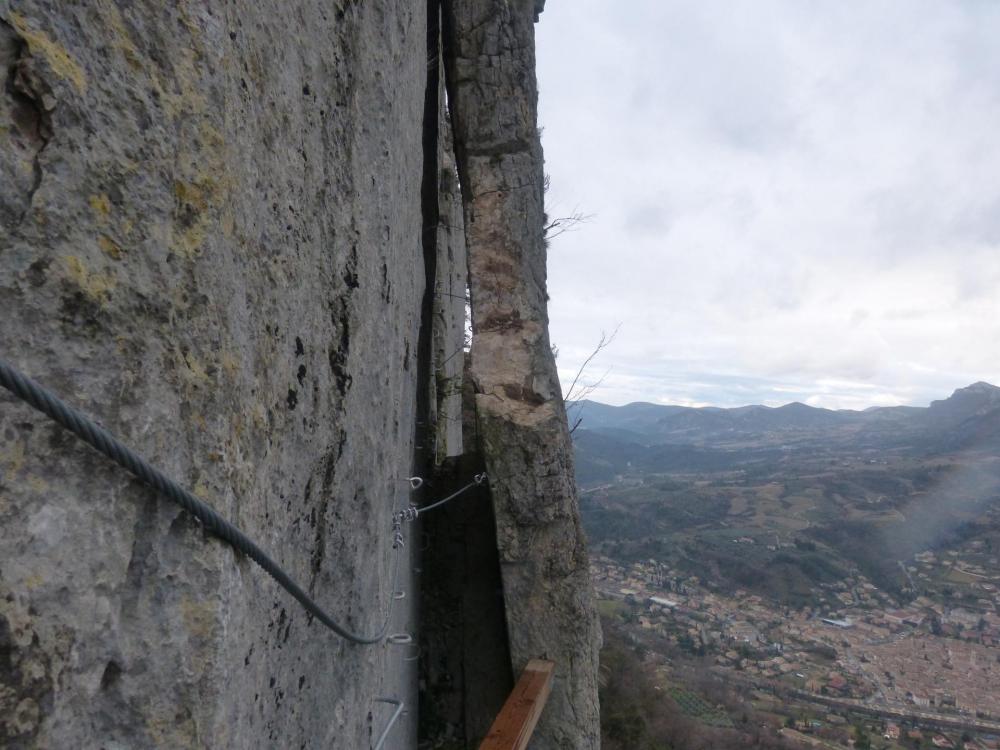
236 235
521 418
445 223
209 240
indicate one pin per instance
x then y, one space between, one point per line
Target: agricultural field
696 707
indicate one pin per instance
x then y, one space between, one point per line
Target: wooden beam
517 719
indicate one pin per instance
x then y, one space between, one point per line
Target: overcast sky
792 200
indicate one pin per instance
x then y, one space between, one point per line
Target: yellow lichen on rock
193 193
230 363
111 248
123 40
203 491
193 369
199 617
197 198
101 205
61 62
97 286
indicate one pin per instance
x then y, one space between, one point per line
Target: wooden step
517 719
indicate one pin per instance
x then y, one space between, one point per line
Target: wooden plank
517 719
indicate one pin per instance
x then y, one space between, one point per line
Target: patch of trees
638 714
864 544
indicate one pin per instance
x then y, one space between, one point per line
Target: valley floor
866 661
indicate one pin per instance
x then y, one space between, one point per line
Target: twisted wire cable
84 428
476 481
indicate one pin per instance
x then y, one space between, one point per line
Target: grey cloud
647 220
765 170
978 223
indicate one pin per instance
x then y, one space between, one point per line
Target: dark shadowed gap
465 661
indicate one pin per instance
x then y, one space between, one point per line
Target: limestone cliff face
523 433
214 224
210 231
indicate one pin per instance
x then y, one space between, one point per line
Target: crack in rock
26 104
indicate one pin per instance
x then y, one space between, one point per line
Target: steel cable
84 428
477 480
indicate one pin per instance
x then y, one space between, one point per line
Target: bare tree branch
563 224
604 343
579 391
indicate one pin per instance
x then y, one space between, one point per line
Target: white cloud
787 195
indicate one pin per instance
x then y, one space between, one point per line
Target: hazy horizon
596 399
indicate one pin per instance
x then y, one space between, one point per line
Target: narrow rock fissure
424 453
30 121
465 668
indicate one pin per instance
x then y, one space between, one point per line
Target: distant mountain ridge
665 436
655 420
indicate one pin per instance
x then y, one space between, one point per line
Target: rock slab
210 241
521 417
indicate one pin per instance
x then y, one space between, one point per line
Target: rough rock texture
524 438
444 225
232 233
450 298
209 240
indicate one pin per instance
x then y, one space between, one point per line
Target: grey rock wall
521 418
451 269
216 223
450 300
210 241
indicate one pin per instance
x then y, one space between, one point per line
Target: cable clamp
397 532
480 478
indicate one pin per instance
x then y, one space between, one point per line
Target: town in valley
840 584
